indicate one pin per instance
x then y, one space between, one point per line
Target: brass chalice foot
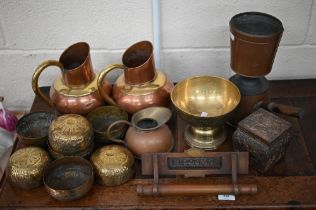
206 138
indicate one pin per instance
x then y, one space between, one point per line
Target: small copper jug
76 90
147 132
141 85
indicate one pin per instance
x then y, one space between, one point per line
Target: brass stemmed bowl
205 103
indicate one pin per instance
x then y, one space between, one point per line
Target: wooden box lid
264 125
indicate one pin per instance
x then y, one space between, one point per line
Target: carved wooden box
265 136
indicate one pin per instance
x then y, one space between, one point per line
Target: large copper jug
141 85
76 90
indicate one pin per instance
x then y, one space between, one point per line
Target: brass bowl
70 134
205 103
102 117
113 165
68 178
26 166
84 154
32 129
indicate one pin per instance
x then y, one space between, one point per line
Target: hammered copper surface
78 101
141 85
113 165
69 178
26 166
205 103
76 91
32 128
70 134
102 117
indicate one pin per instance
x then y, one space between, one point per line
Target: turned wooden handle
286 109
173 189
280 108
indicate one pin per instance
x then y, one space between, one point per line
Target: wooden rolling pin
196 189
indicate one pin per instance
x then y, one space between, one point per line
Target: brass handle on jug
109 131
36 76
100 81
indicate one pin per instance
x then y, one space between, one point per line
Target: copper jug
147 133
141 85
76 90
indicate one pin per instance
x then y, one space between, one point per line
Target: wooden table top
291 183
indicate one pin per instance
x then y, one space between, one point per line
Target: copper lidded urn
254 41
76 90
141 85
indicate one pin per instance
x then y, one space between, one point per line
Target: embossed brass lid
70 133
26 167
113 165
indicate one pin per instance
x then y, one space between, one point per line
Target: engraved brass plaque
194 163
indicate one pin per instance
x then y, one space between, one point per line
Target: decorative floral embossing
27 158
71 124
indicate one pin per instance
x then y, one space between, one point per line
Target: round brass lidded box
113 165
26 167
70 135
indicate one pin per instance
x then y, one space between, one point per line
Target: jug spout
77 71
139 63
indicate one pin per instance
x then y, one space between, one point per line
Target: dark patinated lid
251 25
264 125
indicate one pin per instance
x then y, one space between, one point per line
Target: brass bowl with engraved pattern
113 165
102 117
26 167
84 154
32 128
205 103
70 134
68 178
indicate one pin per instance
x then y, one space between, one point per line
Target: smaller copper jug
76 90
147 132
141 85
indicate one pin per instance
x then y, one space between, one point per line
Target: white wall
194 35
